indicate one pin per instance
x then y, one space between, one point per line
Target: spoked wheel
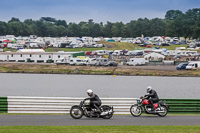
136 110
76 112
107 109
163 114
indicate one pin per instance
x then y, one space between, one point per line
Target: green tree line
176 23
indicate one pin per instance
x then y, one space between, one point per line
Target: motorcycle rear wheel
136 110
76 112
106 108
165 112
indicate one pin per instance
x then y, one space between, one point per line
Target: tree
176 23
61 22
3 28
14 20
74 30
157 27
15 28
117 29
173 14
48 19
107 30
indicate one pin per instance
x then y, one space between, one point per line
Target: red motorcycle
143 105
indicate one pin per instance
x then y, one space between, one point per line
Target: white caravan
137 61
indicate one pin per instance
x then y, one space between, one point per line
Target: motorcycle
143 105
84 108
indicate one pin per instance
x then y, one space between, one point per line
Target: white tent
154 56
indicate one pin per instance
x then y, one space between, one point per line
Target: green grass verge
115 46
100 129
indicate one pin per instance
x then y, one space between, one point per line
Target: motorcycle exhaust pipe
160 111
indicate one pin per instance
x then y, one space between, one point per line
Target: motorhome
63 61
101 61
135 53
91 61
77 61
102 52
193 65
187 53
137 61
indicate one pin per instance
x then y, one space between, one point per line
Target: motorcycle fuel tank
145 101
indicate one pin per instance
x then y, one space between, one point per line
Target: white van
137 62
193 65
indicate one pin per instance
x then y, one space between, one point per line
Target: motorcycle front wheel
136 110
76 112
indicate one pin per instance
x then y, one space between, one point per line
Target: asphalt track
66 120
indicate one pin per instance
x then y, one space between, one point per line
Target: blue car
182 66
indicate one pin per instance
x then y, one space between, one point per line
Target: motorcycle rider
94 100
152 97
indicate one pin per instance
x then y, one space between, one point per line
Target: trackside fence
184 105
21 104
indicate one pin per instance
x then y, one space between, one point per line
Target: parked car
182 66
112 63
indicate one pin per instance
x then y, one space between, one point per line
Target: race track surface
62 120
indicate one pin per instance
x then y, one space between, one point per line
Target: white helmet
89 92
149 88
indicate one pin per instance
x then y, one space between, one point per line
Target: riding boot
152 108
98 110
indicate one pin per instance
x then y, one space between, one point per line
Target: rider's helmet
89 92
149 88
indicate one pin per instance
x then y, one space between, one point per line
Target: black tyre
164 113
136 110
76 112
106 108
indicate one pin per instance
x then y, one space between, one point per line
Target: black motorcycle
77 111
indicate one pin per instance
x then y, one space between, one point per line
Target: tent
154 56
13 40
7 41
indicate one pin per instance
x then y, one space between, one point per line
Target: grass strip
89 70
100 129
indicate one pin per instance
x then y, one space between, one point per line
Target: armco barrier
184 105
3 105
61 104
19 104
